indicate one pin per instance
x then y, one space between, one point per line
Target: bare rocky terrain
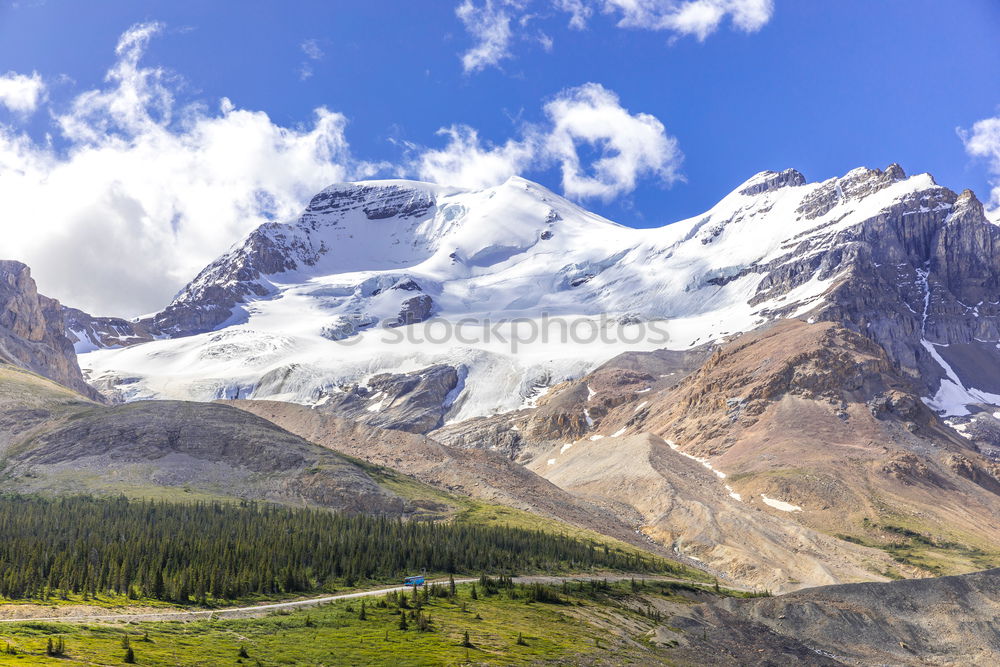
32 331
53 440
942 621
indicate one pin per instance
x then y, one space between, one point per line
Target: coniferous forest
184 552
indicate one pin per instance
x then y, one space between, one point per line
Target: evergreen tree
80 545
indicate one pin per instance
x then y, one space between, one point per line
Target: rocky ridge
32 330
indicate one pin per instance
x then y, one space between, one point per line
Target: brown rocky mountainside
684 506
485 475
32 331
53 440
814 423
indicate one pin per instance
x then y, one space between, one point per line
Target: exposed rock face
570 410
413 311
923 269
32 330
413 402
767 181
87 332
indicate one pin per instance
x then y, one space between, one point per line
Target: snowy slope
300 309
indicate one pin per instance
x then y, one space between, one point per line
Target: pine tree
452 589
402 621
465 640
362 616
129 656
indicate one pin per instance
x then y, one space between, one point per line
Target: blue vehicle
416 580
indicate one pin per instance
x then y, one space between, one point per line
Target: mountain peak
895 172
766 181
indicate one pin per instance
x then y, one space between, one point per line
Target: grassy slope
901 531
587 628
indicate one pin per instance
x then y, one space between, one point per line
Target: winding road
264 609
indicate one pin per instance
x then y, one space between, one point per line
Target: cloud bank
490 22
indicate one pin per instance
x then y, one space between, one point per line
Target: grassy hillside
574 623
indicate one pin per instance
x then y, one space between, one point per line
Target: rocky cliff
32 330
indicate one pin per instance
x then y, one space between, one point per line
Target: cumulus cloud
143 192
590 117
983 141
21 93
466 162
489 23
631 146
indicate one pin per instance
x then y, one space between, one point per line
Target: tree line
183 552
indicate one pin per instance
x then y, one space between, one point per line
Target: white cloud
984 142
147 192
698 18
313 53
489 23
311 48
579 12
21 93
465 162
630 146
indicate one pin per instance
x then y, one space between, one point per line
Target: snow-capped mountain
395 276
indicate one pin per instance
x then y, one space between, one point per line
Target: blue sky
819 86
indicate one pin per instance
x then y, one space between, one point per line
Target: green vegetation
590 622
183 552
913 548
